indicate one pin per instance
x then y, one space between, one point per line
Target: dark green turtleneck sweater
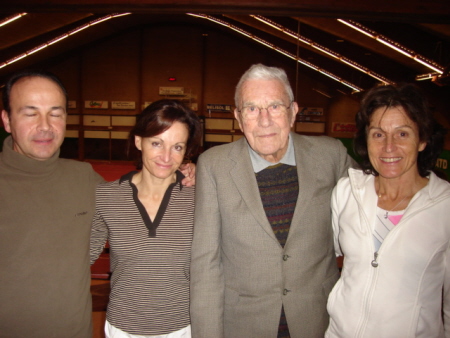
46 209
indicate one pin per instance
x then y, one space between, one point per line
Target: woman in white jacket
391 223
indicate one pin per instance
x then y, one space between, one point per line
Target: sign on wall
96 104
123 105
171 90
218 107
71 104
343 127
310 111
442 164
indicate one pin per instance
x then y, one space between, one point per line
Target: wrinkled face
163 154
38 117
267 135
393 143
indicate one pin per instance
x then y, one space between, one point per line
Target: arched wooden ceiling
423 27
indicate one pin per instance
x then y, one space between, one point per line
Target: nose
165 154
389 144
44 124
264 117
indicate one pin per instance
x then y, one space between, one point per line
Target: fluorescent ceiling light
394 45
11 19
59 38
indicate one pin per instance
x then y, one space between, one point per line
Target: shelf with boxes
99 130
220 127
310 120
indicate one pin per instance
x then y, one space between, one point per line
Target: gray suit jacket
240 274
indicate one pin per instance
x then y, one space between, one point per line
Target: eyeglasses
275 110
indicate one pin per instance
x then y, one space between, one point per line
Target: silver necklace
388 211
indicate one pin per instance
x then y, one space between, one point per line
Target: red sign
343 127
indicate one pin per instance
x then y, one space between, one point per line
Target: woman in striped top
147 217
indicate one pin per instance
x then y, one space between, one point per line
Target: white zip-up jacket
399 291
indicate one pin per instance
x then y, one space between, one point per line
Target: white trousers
114 332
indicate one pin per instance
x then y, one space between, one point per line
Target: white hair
262 72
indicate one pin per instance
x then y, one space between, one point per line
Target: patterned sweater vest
278 187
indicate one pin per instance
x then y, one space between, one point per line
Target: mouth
44 141
390 159
267 135
164 166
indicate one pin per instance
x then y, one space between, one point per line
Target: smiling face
37 121
393 143
268 136
163 154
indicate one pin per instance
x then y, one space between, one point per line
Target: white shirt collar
260 164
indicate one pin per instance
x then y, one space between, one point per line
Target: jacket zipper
373 278
374 263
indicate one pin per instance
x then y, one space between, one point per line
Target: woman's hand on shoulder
188 170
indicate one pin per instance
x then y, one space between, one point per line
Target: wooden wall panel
68 70
171 51
110 69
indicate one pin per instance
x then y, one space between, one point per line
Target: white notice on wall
123 105
171 90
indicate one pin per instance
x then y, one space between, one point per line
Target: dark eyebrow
399 127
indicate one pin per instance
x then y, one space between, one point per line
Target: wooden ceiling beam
431 11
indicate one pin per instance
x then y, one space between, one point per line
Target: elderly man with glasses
263 258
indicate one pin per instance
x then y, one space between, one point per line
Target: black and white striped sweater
149 260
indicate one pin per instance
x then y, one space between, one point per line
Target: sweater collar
129 176
24 164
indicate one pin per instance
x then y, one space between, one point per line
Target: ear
294 110
138 142
6 121
422 146
238 117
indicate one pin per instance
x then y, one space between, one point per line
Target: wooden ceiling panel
315 19
431 11
35 24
